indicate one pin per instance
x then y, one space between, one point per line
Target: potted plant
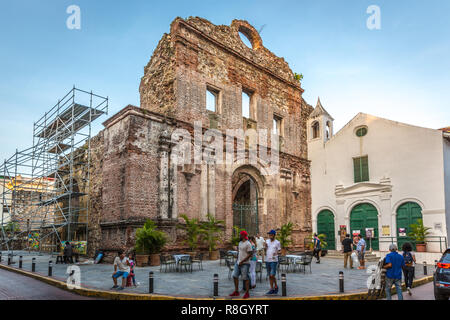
419 232
210 231
284 236
149 243
193 232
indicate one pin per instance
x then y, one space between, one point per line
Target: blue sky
400 72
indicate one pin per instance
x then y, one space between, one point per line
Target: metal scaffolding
44 196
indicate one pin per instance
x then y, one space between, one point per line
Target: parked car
441 280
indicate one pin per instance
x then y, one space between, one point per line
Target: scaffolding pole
45 188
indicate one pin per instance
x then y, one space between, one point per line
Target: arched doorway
325 225
407 214
363 216
245 205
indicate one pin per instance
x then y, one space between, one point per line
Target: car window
446 258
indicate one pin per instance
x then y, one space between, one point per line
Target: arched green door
407 214
364 216
325 225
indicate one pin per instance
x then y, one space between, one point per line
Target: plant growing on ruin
210 231
419 232
298 77
149 240
193 231
284 235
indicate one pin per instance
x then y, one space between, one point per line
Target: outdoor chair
230 267
167 262
305 262
185 262
199 260
283 262
223 255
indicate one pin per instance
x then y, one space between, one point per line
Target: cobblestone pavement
322 280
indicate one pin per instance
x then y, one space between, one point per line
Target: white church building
378 176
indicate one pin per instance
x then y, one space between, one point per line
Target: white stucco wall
406 163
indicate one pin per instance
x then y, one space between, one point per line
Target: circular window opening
361 132
245 40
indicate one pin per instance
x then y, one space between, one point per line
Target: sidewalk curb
111 295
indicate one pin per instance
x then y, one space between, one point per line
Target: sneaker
246 295
121 288
409 291
318 262
235 294
114 287
275 291
270 292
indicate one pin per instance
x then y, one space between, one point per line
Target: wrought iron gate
246 217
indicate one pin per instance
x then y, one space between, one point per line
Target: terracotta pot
142 260
154 260
421 247
214 255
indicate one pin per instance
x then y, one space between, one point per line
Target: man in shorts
361 250
121 269
272 247
242 266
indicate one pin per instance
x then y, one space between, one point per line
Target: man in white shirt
242 266
123 264
260 246
272 247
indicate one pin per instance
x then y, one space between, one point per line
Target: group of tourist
249 249
394 263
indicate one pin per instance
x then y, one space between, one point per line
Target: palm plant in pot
149 243
284 236
193 231
210 232
418 233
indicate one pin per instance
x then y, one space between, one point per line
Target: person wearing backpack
317 247
408 269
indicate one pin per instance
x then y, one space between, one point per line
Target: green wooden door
364 216
325 225
407 214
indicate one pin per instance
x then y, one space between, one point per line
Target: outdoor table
294 258
178 257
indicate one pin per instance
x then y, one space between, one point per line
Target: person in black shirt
347 245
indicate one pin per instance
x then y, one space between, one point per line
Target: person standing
347 249
272 247
317 247
260 246
253 261
242 266
121 269
408 269
132 275
394 263
361 250
68 252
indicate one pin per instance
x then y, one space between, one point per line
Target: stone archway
247 199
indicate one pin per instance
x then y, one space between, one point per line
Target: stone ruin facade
133 175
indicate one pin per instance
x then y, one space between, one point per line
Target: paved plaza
321 281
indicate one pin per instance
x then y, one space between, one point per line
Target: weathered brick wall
134 180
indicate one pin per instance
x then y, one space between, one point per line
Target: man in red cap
242 266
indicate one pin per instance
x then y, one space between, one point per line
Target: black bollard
50 268
283 285
425 268
33 265
0 256
216 285
150 282
20 262
341 281
9 259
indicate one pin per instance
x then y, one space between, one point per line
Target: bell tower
320 124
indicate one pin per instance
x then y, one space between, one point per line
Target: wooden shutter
365 168
357 169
